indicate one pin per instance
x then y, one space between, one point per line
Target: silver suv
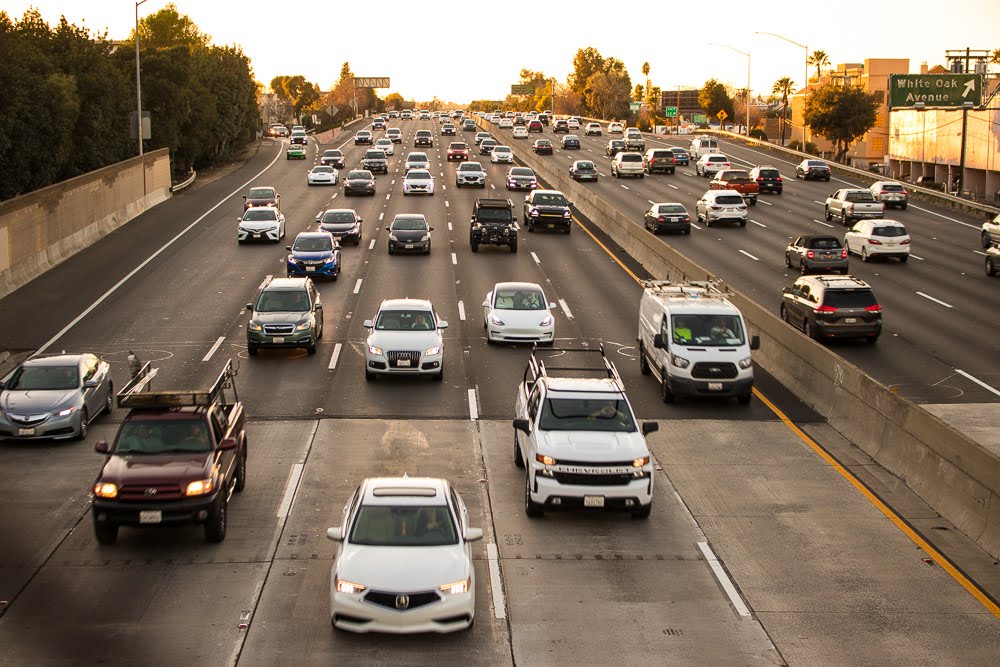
627 164
470 173
405 339
834 306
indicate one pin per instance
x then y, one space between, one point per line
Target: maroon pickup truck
177 458
739 180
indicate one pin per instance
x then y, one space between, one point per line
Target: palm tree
783 86
819 59
995 57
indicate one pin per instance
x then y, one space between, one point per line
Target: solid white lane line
927 210
938 301
214 348
473 405
461 311
336 356
756 259
977 381
357 285
535 257
825 224
496 583
562 304
915 257
291 486
759 224
724 581
454 258
371 246
979 252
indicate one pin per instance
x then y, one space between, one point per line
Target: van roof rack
133 397
702 288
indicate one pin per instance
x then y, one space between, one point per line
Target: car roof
886 222
55 360
340 210
404 491
518 286
406 304
836 282
313 235
291 284
816 237
548 192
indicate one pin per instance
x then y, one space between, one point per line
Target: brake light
661 219
874 242
778 179
810 255
826 309
760 178
843 253
906 242
874 309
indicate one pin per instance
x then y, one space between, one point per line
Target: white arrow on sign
332 110
970 86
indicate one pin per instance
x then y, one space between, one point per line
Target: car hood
261 202
157 468
284 317
417 165
549 207
37 401
311 256
521 318
592 446
405 340
258 224
403 569
359 182
337 227
521 178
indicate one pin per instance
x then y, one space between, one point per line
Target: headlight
254 326
344 586
640 461
547 322
457 586
566 214
545 459
496 320
373 349
745 363
67 412
105 490
431 351
425 237
303 326
680 362
199 487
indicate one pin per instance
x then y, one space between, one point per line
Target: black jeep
493 224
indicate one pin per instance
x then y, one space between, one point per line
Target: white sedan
418 181
518 313
404 562
502 154
520 132
506 123
593 129
886 238
322 174
385 144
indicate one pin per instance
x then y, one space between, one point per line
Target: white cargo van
703 146
694 341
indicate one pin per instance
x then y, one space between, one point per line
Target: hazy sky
459 50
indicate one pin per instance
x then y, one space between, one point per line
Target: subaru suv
832 306
627 164
287 312
405 339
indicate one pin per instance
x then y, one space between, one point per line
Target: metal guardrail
183 184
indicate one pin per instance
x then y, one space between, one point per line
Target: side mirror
250 307
755 343
430 229
569 203
228 443
522 425
386 229
244 197
369 324
90 384
336 534
288 247
786 290
473 534
658 342
239 219
101 447
442 324
649 427
361 219
486 303
318 306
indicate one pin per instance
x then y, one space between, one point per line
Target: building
685 99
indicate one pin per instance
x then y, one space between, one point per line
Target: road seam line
291 486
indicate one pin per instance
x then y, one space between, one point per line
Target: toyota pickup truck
738 180
634 141
850 204
177 458
577 438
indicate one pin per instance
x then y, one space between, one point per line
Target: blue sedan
314 254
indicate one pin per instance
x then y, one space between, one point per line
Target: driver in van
720 331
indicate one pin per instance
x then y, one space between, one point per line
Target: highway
758 551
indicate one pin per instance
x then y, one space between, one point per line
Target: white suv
721 206
615 128
712 163
405 339
628 164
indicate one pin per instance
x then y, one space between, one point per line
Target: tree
395 101
819 59
296 91
714 98
783 87
995 57
167 28
586 63
639 93
607 94
842 114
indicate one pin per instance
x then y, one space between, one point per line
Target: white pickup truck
849 204
577 438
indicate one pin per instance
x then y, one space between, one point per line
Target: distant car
502 155
768 179
521 178
344 224
448 130
573 123
659 159
468 125
54 396
817 170
990 232
394 135
560 125
542 147
992 262
571 141
470 173
592 129
261 195
299 138
506 123
614 147
261 223
816 253
616 128
359 182
890 193
681 156
832 306
378 124
520 133
535 125
518 313
486 146
711 163
409 232
322 175
884 238
313 254
457 150
721 206
418 181
627 163
416 160
480 136
583 170
295 152
667 217
548 209
333 158
385 145
423 138
363 137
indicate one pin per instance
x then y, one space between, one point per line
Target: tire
991 268
743 223
984 239
241 470
807 330
864 254
871 340
109 404
215 526
788 261
744 399
829 216
106 533
844 220
753 202
311 348
903 258
252 350
644 362
530 507
665 393
513 247
783 313
903 207
475 246
518 459
84 424
369 376
569 228
802 267
643 512
439 376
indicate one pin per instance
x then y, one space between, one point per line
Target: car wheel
643 512
311 347
106 533
828 215
802 267
788 261
513 247
518 459
903 207
215 526
783 313
475 246
109 403
864 254
241 470
643 362
252 350
984 239
665 393
439 376
531 508
991 269
369 376
844 220
903 258
84 424
807 329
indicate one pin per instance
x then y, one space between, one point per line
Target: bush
758 134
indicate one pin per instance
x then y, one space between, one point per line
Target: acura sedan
518 313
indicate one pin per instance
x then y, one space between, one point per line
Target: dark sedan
583 170
571 141
343 223
542 147
521 178
681 156
667 217
359 182
822 254
409 233
261 196
332 158
812 169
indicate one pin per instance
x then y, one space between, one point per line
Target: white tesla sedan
404 564
322 174
518 313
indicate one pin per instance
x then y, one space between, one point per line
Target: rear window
860 196
827 243
662 154
768 173
717 158
631 158
860 298
729 200
892 230
893 187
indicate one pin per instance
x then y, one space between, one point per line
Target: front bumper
691 387
329 180
464 180
349 190
451 614
379 364
513 335
327 270
410 246
51 427
175 512
258 235
548 222
293 339
522 185
554 494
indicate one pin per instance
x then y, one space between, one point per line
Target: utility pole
677 119
138 94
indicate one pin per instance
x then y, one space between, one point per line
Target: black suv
768 179
548 209
287 312
375 161
493 224
832 306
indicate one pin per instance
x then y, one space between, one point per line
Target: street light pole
732 48
805 85
138 84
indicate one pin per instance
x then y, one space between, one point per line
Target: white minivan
703 146
694 341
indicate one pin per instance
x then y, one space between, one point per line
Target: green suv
287 312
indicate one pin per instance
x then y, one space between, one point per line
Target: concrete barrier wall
43 228
955 475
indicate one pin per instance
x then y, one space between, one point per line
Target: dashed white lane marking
215 347
447 205
671 185
977 381
756 259
319 213
336 356
371 246
624 187
759 224
496 583
381 216
535 257
290 488
461 311
449 227
696 225
357 285
915 257
765 203
454 258
937 301
979 252
565 307
473 406
825 224
387 197
724 581
492 187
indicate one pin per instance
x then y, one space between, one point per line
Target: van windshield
708 330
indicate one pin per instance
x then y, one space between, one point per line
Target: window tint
412 223
849 298
283 301
338 216
892 230
586 414
405 320
860 195
729 200
260 215
261 193
312 244
892 187
404 526
519 300
824 243
156 437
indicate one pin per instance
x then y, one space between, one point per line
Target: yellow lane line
973 589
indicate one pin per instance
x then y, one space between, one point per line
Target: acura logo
150 492
402 601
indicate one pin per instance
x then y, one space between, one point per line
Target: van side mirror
522 425
786 290
658 342
369 324
228 443
288 247
650 427
250 307
755 343
473 534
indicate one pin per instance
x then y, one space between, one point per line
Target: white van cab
703 146
694 341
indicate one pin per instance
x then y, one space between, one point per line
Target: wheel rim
83 424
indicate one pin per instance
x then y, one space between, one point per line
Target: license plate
409 245
256 235
403 363
26 431
593 501
551 226
715 386
278 339
151 516
675 219
310 268
850 320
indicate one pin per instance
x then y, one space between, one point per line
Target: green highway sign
670 112
522 89
699 118
935 90
634 106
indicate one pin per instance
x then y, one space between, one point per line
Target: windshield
374 155
322 170
814 163
282 301
406 526
332 153
359 176
40 378
549 200
458 147
418 175
261 193
729 200
493 214
417 157
823 243
312 244
586 414
259 214
584 165
405 320
849 298
708 330
160 437
521 171
423 133
519 299
413 223
671 208
471 166
339 216
893 187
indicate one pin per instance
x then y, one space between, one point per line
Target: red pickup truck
177 458
739 180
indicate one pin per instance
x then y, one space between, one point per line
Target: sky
460 51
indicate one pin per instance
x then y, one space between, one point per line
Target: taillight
810 255
759 179
778 179
874 309
906 242
826 309
843 253
874 242
661 219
